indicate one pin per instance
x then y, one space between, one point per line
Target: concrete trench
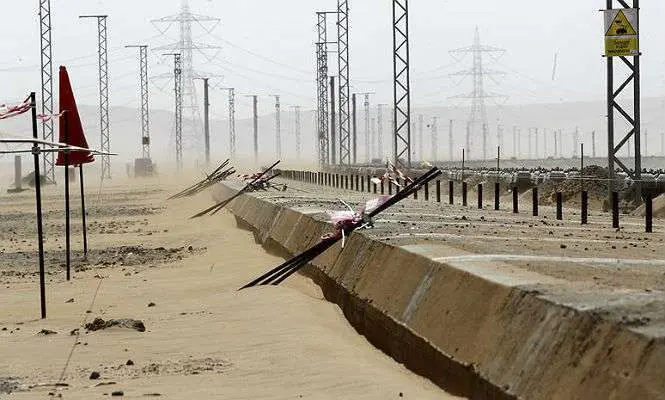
469 327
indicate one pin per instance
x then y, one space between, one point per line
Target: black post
497 194
516 209
426 191
648 213
390 187
559 206
382 189
67 230
585 207
615 210
451 192
38 198
438 191
534 200
464 190
480 196
357 185
346 182
369 184
362 184
85 228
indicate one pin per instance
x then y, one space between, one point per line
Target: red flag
71 130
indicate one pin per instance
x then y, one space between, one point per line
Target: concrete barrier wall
471 330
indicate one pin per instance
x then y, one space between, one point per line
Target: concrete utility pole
296 111
576 141
379 123
451 141
278 128
177 73
421 127
373 141
206 119
434 141
515 147
556 144
255 106
232 121
499 135
145 116
368 156
103 93
354 123
333 124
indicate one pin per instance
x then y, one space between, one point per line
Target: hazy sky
284 32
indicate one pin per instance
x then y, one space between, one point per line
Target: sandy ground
202 340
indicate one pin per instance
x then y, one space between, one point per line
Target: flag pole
38 198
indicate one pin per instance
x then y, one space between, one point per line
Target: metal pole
296 110
145 118
435 140
206 120
64 119
278 128
85 228
38 198
344 87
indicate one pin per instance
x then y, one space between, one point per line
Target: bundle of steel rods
250 186
280 273
217 175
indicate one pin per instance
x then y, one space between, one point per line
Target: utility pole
499 135
401 85
379 123
373 141
434 140
177 74
556 145
232 121
421 127
103 93
537 140
296 110
478 115
354 144
333 124
593 144
255 120
451 149
278 127
145 117
47 84
515 147
368 145
576 140
206 119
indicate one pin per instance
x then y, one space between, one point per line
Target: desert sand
203 339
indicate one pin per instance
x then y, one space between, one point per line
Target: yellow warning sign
620 26
621 32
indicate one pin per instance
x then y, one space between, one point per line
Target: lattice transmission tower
47 84
102 49
186 46
477 122
344 87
